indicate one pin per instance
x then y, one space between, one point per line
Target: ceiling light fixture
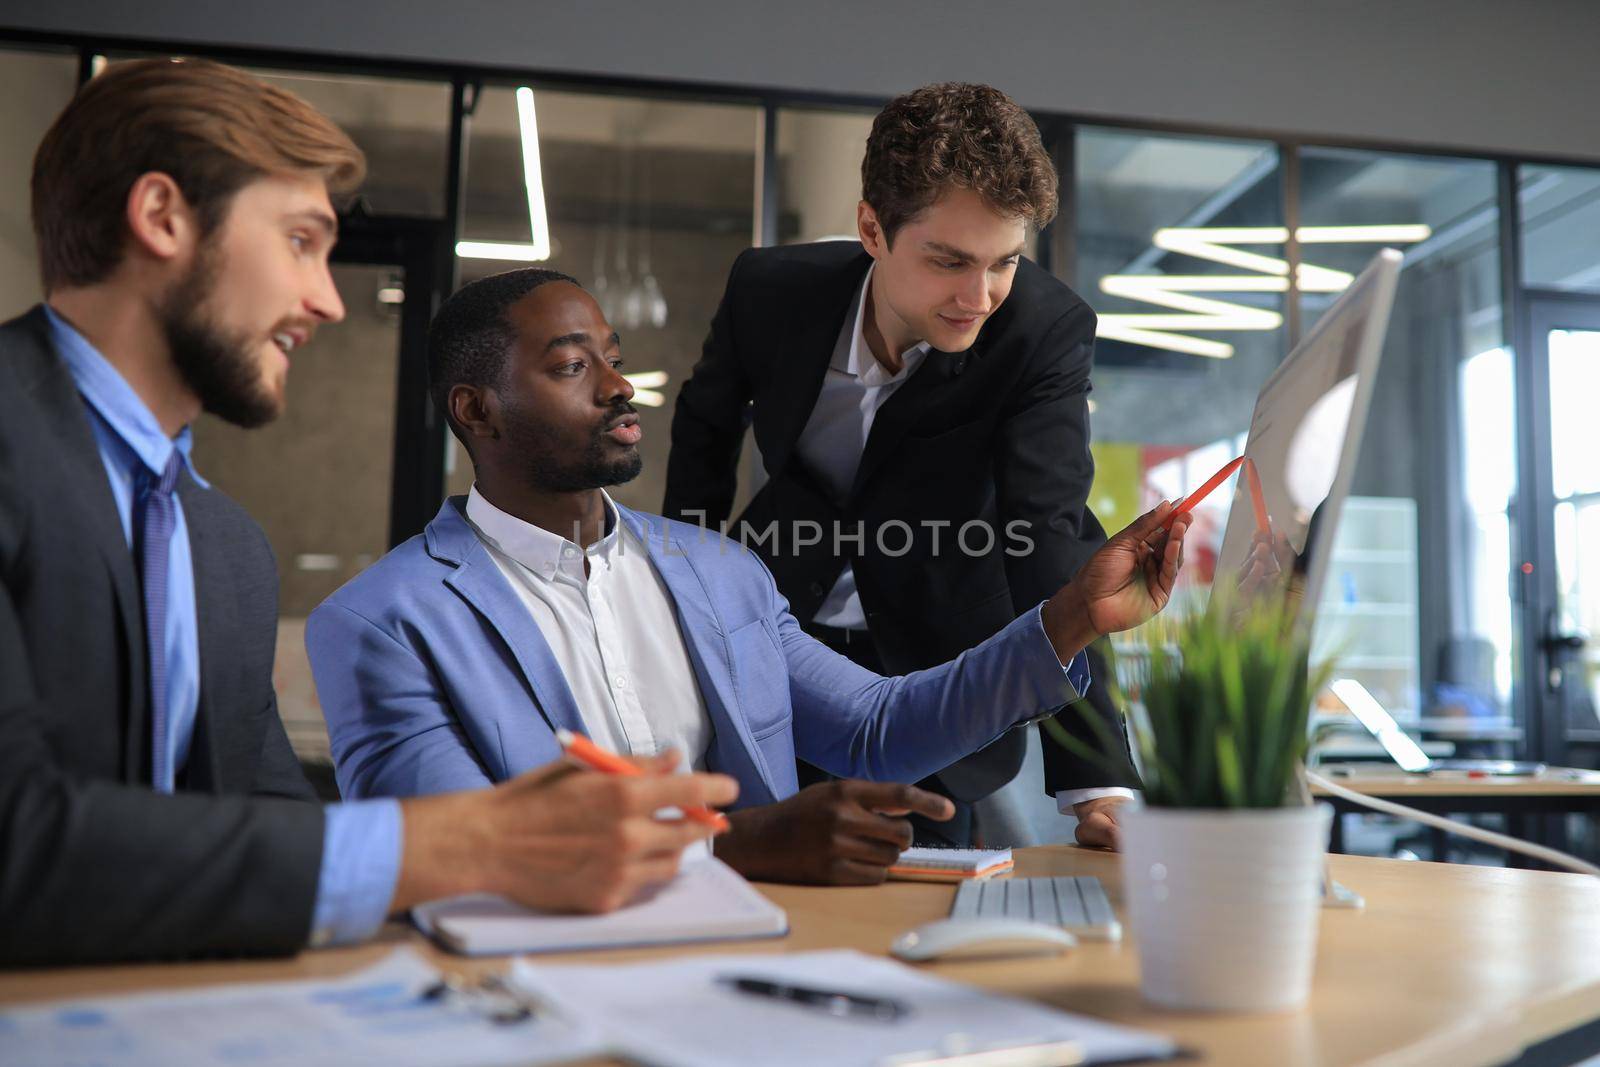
1217 244
538 249
645 385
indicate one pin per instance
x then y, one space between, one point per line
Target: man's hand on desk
1097 822
558 838
833 833
1125 583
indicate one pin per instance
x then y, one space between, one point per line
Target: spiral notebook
950 864
707 901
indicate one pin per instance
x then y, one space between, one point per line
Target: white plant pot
1224 904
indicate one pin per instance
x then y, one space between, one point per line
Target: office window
403 126
819 173
1560 219
317 479
34 87
1417 593
646 202
1160 224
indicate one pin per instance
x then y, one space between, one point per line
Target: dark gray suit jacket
998 433
93 864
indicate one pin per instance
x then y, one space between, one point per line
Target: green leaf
1217 706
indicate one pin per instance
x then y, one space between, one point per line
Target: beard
219 366
556 464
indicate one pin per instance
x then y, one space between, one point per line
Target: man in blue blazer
536 604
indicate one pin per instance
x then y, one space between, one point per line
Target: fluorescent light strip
645 383
532 174
1111 328
1332 235
533 177
1215 245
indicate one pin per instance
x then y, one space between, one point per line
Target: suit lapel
804 356
479 582
706 639
904 408
81 475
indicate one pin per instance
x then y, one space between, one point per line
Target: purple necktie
157 516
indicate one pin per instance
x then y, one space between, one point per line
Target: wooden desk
1448 965
1557 782
1560 789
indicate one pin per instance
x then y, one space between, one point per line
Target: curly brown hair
956 135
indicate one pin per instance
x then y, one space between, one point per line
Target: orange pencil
596 758
1257 499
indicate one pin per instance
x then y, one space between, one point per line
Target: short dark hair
471 336
956 135
213 129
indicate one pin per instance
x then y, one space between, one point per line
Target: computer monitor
1305 437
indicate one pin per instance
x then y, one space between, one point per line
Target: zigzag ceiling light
1268 274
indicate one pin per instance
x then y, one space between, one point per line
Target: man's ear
870 230
161 224
476 411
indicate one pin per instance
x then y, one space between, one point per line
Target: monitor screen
1304 439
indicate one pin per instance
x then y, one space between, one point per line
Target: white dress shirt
613 631
836 434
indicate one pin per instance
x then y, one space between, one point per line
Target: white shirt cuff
1066 798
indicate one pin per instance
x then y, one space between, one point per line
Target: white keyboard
1079 904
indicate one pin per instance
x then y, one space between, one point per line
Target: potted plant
1222 863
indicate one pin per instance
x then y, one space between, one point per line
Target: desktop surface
1384 780
1449 965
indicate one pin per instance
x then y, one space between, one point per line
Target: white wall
1484 75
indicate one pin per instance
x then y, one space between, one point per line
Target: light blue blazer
434 677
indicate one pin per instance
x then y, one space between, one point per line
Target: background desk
1560 790
1449 965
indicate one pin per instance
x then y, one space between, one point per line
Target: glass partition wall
34 87
645 202
1206 255
1186 334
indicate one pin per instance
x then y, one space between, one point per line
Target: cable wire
1488 837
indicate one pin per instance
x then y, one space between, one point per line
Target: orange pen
596 758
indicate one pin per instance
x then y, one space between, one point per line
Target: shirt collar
540 551
859 360
113 399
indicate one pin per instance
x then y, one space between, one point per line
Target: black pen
840 1004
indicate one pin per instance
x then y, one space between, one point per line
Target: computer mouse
973 938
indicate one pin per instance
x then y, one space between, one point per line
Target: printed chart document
950 864
377 1015
682 1013
708 901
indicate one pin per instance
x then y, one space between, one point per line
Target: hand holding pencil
1128 581
590 755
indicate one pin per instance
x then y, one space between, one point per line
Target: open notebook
683 1013
708 901
950 864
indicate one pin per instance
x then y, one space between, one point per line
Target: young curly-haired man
920 402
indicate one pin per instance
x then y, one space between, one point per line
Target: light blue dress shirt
362 841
